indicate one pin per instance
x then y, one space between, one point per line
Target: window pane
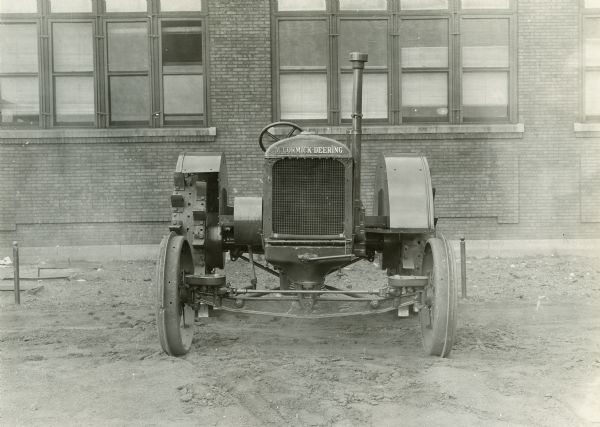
485 42
184 98
129 100
18 48
73 47
424 43
592 89
176 5
423 4
19 100
363 5
303 43
303 96
425 97
74 97
592 4
69 6
18 6
125 5
485 4
367 36
127 46
182 46
485 95
592 42
375 96
301 4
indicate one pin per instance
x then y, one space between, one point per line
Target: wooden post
16 272
463 268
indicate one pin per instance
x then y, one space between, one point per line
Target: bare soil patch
84 351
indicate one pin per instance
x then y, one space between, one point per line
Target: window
303 69
182 72
73 73
105 63
71 6
485 68
128 65
126 5
425 74
21 6
430 61
19 75
591 61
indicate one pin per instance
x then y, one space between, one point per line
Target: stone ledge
433 131
75 136
586 130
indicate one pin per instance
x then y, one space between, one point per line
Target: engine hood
311 146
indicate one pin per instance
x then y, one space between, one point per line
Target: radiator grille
308 197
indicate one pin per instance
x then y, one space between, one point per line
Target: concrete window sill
586 130
76 136
432 131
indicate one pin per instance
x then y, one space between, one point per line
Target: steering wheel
267 131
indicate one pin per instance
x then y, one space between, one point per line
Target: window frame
301 16
586 13
44 19
40 68
52 73
108 74
161 73
454 15
510 69
346 68
449 70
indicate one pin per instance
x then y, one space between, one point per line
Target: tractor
310 222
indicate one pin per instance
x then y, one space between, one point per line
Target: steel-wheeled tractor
309 223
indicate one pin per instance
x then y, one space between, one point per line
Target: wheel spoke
290 133
273 137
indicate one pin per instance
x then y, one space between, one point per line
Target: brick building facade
531 172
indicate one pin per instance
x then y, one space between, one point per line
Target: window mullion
395 68
45 70
154 71
334 70
100 64
512 70
454 69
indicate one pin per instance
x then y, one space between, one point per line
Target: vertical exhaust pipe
358 65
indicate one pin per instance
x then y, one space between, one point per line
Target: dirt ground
84 351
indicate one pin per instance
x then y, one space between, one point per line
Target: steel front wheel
174 318
438 309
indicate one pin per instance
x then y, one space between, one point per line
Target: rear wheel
174 317
438 309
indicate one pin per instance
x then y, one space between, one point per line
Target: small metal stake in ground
16 272
463 268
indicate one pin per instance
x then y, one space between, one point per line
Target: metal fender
403 193
209 168
198 203
247 220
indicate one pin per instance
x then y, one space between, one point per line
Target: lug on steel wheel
174 318
438 309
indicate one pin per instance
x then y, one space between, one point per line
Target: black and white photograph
324 213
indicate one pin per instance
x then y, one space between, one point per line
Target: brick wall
115 190
240 86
